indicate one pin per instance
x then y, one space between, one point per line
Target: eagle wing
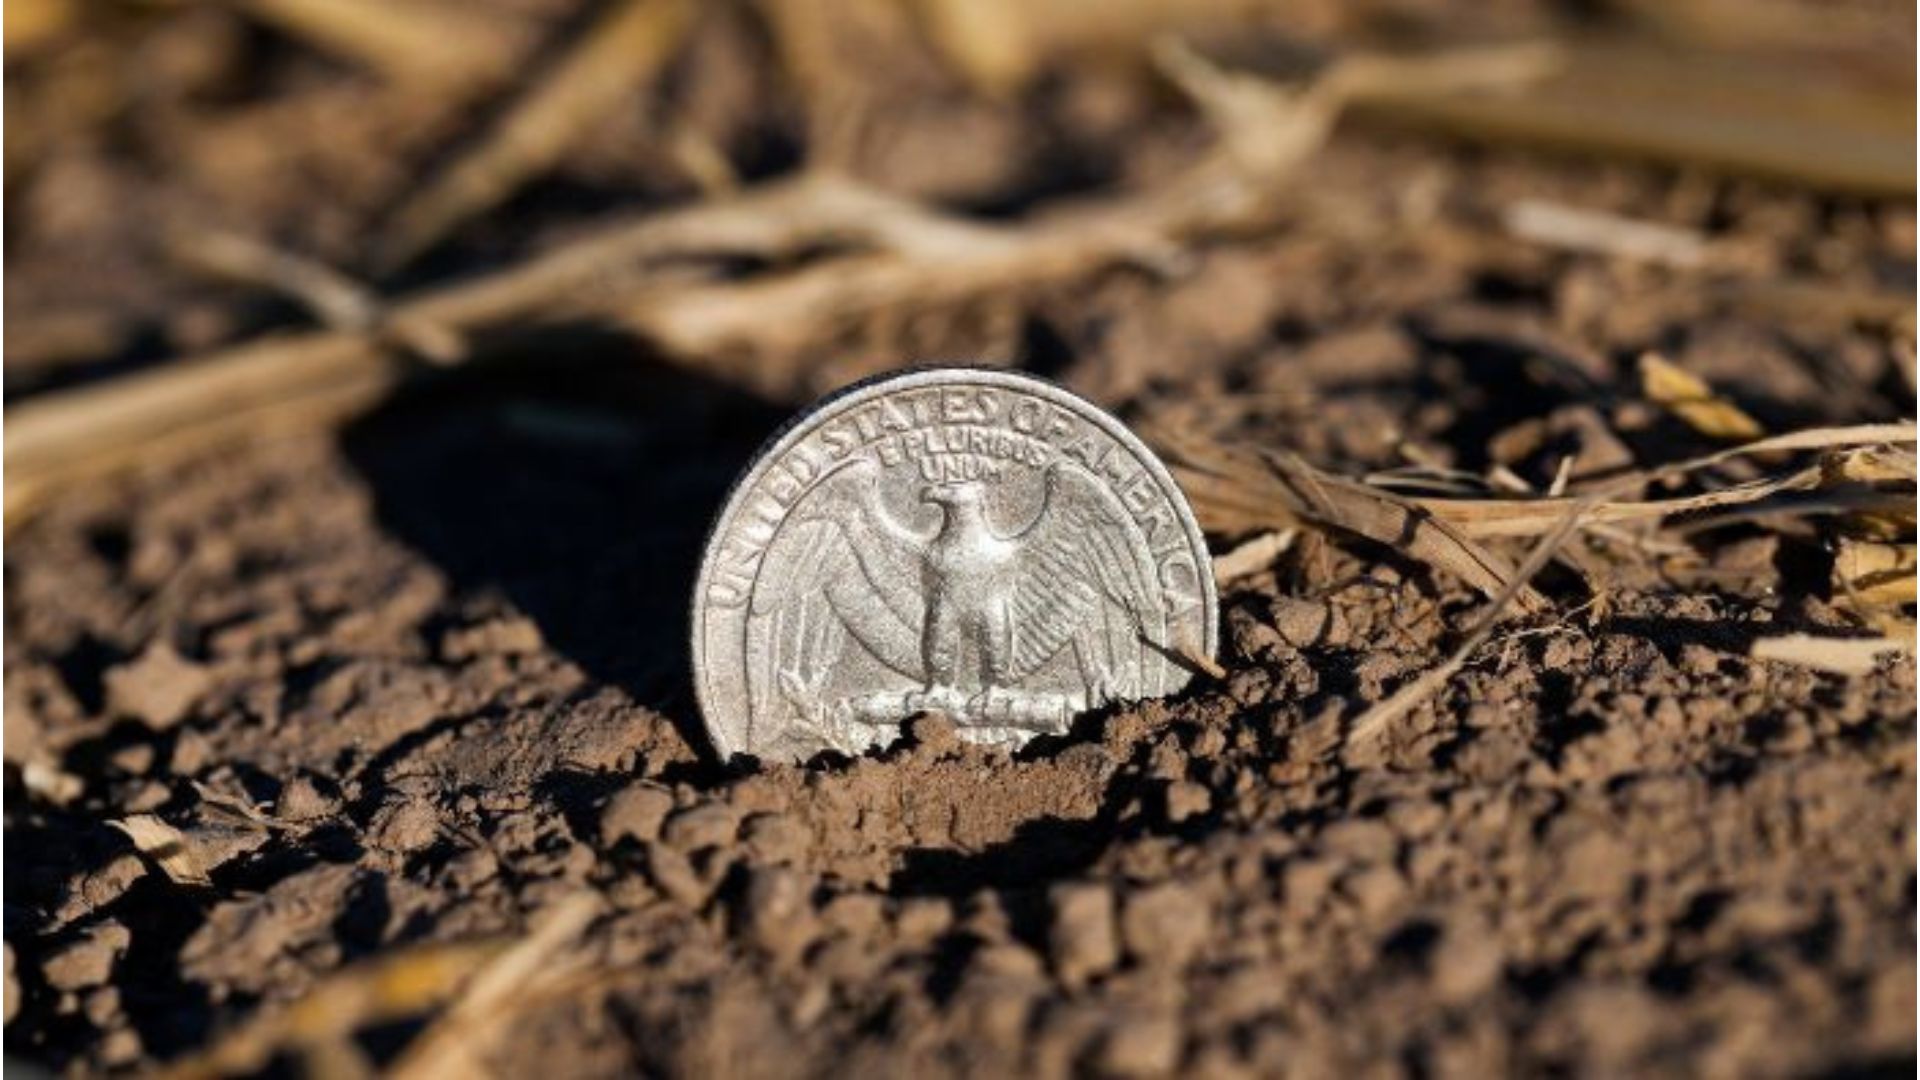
1084 576
837 567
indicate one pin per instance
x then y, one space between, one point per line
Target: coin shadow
578 488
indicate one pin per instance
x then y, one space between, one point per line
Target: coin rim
806 420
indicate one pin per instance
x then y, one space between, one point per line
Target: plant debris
1842 656
171 848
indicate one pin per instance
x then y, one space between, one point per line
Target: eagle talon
990 704
942 699
1100 691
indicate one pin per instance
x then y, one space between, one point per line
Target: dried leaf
167 846
1688 397
224 830
1841 656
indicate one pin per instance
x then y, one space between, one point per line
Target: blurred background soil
373 370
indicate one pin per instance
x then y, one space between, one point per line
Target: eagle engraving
966 612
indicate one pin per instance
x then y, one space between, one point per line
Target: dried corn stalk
620 54
1236 488
902 256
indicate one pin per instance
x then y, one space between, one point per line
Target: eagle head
955 494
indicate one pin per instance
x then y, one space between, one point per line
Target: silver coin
978 543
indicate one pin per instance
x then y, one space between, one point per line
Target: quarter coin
974 542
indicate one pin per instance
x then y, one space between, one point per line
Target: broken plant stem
335 299
1236 488
623 51
912 257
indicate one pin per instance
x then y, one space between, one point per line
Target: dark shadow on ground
1040 852
1734 639
577 480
